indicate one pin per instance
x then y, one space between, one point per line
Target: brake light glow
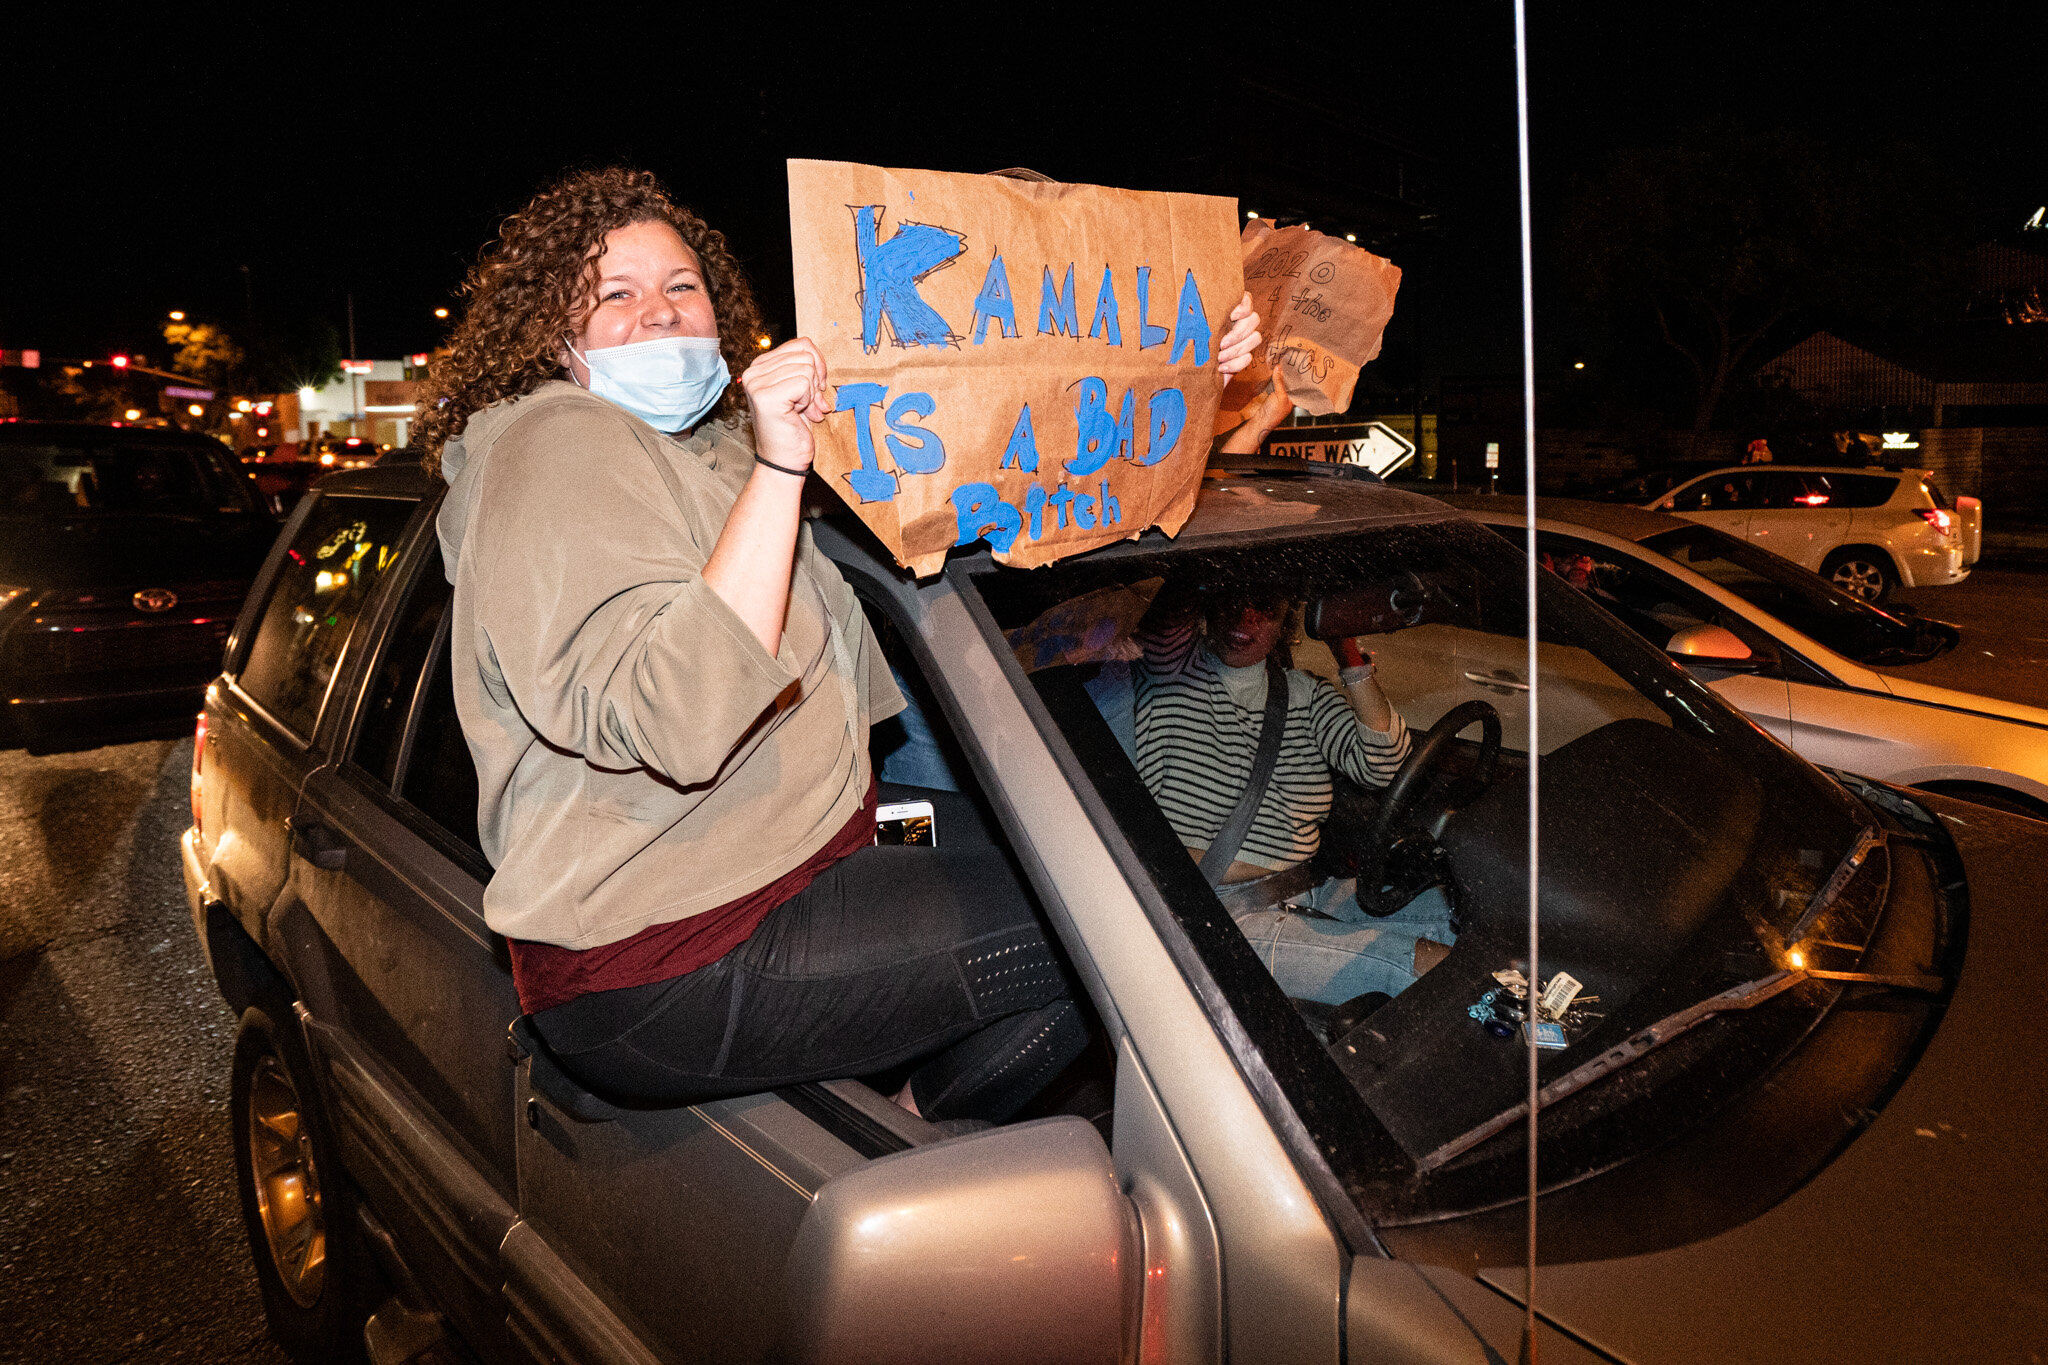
1938 518
198 754
1812 499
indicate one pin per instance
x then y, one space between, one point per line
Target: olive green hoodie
640 757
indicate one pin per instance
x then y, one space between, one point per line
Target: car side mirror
1706 646
1012 1245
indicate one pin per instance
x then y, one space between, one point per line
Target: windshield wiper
1869 840
1745 996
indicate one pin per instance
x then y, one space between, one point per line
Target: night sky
150 159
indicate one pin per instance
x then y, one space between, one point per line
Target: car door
1798 514
676 1222
408 994
1655 604
281 664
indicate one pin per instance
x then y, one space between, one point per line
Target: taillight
1938 518
198 753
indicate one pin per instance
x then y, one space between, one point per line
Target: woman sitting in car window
667 692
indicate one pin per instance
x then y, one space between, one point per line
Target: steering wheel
1412 781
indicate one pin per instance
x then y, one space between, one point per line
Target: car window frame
242 639
1755 636
394 596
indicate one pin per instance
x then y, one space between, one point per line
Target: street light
1350 236
195 409
133 414
440 312
177 315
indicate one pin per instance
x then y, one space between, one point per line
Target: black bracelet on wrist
781 468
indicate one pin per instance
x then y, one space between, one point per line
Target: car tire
297 1208
1861 572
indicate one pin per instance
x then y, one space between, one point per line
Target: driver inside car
1201 687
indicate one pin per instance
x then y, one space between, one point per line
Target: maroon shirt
547 974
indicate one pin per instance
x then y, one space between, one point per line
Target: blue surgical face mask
668 382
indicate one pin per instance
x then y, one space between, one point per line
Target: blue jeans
1342 952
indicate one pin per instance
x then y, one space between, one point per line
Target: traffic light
120 362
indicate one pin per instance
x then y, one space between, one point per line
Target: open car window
1679 848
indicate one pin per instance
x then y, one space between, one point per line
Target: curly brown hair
529 289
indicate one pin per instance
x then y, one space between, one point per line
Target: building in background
374 400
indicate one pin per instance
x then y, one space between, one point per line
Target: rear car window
68 480
327 575
1860 490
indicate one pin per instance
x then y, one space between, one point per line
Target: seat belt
1223 852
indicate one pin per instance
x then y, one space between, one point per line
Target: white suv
1867 530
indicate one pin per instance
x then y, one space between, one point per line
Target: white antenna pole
1535 678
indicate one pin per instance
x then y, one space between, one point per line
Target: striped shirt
1198 734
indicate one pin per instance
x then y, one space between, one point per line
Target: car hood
1923 1240
114 550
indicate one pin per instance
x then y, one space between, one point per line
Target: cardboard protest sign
1323 307
1028 363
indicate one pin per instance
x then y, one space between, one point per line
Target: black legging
892 954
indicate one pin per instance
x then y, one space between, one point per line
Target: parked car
1866 530
1792 652
124 555
342 452
1796 974
281 483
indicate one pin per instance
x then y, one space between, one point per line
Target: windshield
48 481
1371 935
1801 599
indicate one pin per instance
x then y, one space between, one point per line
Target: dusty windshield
1378 877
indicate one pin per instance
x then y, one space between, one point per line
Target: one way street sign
1375 445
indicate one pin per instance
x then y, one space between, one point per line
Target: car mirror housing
1015 1244
1710 647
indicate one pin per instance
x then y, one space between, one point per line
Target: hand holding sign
785 391
1326 306
961 413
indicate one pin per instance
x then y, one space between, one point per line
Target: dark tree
1729 237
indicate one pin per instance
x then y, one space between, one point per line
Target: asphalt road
120 1236
2004 650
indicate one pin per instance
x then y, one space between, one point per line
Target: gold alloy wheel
287 1183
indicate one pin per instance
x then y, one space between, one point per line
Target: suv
1866 530
125 553
1778 958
